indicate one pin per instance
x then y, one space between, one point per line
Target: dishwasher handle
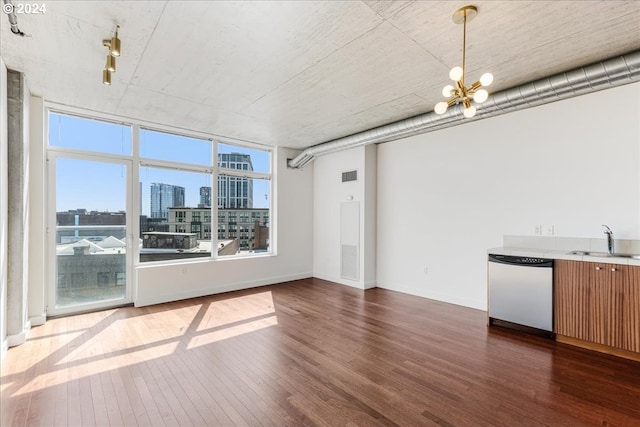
521 260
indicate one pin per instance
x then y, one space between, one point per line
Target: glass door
92 256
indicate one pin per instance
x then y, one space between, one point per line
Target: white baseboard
20 338
370 284
159 299
450 299
341 281
4 346
38 320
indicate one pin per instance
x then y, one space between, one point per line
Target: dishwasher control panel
521 260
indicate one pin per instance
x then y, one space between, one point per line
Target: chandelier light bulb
480 96
455 74
446 91
486 79
469 112
441 107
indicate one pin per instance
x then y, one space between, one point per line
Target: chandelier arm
453 100
477 85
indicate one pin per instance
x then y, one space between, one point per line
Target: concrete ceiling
299 73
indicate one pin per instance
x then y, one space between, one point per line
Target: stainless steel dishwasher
521 293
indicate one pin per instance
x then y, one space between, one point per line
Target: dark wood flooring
307 353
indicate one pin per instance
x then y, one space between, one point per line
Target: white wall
445 197
3 209
293 193
329 193
370 224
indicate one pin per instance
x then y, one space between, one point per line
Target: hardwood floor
303 353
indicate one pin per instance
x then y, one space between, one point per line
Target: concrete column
4 188
18 206
37 228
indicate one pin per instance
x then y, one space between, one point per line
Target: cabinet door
631 311
571 299
608 285
598 282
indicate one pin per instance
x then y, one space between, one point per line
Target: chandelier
461 93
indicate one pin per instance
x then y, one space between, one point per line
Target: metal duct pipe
13 20
612 72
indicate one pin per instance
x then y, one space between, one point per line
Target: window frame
139 162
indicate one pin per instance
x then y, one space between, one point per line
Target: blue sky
98 185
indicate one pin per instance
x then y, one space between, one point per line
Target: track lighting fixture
113 44
461 93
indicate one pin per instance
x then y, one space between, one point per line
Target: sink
605 254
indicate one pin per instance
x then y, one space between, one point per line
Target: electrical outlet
537 230
549 230
426 270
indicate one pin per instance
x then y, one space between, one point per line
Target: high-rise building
249 226
164 196
235 192
205 196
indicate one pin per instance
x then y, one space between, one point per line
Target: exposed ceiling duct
613 72
9 10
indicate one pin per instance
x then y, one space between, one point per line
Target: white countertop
558 254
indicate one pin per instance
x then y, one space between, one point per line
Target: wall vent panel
349 262
350 240
350 176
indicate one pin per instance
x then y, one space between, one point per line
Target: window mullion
214 200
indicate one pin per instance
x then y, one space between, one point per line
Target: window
169 196
77 280
246 159
120 279
176 194
71 132
104 278
174 148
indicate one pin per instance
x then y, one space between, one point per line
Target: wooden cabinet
571 305
631 311
598 303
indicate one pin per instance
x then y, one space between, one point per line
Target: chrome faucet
609 234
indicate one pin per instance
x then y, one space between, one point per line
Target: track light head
113 44
111 63
106 77
114 48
